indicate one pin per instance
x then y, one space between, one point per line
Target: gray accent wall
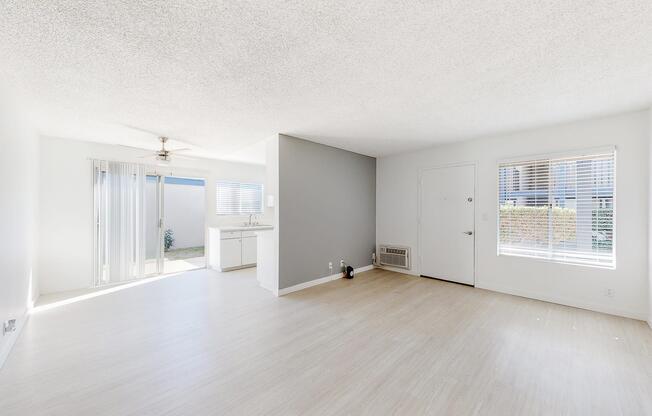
327 210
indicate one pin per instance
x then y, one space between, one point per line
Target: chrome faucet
253 221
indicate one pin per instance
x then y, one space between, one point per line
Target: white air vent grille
395 256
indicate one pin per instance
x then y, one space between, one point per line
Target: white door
249 250
230 253
446 230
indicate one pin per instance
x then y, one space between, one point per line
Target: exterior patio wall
184 215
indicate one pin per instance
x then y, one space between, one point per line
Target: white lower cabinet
230 253
232 249
249 250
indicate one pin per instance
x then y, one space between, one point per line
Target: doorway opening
175 224
183 230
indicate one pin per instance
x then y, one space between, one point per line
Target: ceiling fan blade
129 126
183 157
157 134
142 149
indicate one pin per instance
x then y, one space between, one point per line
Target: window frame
240 184
560 155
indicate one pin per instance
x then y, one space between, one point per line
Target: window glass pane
524 213
235 198
251 198
559 209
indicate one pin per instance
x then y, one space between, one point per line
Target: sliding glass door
154 224
132 239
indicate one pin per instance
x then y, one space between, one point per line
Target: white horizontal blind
560 209
236 198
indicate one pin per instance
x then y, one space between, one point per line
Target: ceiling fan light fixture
164 156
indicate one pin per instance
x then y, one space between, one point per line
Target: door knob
468 232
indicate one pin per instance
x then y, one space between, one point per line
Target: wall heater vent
395 256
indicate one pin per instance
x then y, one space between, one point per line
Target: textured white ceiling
376 77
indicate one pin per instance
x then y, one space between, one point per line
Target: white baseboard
565 301
399 270
9 340
320 281
364 268
271 289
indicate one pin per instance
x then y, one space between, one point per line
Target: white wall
268 242
66 208
567 284
18 202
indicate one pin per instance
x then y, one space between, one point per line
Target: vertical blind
236 198
560 209
120 212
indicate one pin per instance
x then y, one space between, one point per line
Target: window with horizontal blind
237 198
560 209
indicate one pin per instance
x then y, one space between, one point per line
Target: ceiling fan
163 155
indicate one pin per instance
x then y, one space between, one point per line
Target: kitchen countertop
260 227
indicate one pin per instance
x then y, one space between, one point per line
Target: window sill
560 261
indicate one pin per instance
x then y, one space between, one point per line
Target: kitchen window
559 208
238 198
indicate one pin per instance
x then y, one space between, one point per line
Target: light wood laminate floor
205 343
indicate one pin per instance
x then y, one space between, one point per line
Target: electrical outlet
330 265
610 293
341 263
8 326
